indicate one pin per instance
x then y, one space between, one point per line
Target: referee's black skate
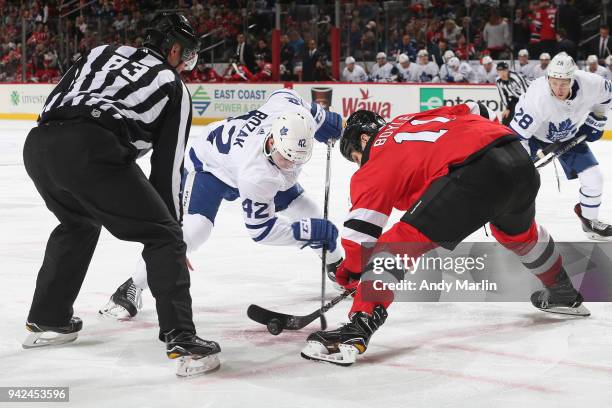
43 335
124 303
561 298
341 346
594 229
195 355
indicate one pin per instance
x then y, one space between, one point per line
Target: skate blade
581 310
189 366
318 352
43 339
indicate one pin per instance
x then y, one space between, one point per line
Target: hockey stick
330 144
277 322
555 150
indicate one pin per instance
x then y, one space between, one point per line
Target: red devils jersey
404 158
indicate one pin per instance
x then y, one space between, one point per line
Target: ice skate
42 335
341 346
195 356
560 298
124 303
594 229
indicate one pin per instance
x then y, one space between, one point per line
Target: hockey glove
331 128
316 232
349 280
593 127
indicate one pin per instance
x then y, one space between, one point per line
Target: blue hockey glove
316 232
331 128
593 127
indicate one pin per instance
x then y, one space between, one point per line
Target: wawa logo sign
365 101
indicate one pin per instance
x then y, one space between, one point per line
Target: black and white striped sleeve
169 148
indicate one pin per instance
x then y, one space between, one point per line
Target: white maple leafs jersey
426 72
465 73
525 70
358 74
541 115
484 77
601 71
408 74
537 71
233 151
386 73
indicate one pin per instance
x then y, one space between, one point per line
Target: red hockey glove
349 280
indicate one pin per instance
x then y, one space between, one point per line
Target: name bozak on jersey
541 115
231 149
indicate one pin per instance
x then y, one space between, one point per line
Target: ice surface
426 355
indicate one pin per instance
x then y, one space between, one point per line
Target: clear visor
190 58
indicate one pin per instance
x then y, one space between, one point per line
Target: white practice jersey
426 72
358 75
484 77
601 71
525 70
541 115
537 71
465 73
386 73
233 151
407 74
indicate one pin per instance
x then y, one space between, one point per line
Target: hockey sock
591 188
536 249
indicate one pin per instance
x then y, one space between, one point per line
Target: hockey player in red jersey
452 169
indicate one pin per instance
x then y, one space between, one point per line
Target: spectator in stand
496 34
522 65
437 51
48 73
287 55
382 70
451 32
602 45
427 71
459 71
520 29
569 15
540 69
486 72
311 61
353 72
296 42
547 14
407 47
244 53
464 51
262 51
202 73
565 44
592 66
406 70
608 74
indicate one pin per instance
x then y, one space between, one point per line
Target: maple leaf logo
365 94
284 131
565 129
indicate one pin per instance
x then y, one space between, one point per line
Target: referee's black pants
89 179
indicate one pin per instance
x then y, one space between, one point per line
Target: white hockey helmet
293 135
403 58
609 60
448 54
454 63
487 60
562 66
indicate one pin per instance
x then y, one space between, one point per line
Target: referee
114 105
510 86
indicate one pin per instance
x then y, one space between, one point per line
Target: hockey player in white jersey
539 70
563 105
458 71
523 66
353 72
592 66
608 73
406 69
486 73
255 158
426 70
382 70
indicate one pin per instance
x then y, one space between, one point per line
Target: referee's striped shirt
136 94
512 89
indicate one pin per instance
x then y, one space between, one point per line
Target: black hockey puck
275 327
